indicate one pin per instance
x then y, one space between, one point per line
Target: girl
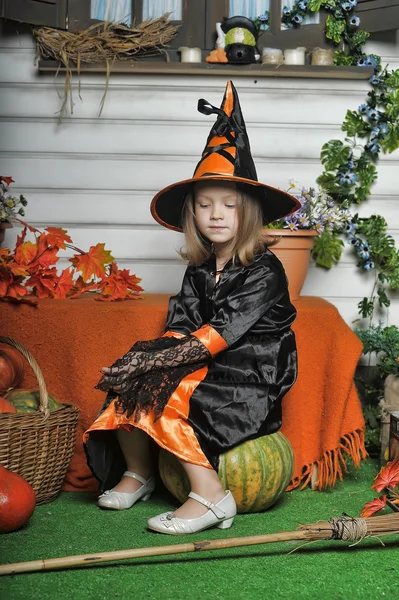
218 375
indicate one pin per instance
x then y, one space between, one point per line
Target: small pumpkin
11 367
17 501
6 407
256 472
28 401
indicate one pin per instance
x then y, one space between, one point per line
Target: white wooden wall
96 176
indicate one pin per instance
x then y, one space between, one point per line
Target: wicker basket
38 446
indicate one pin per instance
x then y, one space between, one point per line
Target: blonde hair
249 239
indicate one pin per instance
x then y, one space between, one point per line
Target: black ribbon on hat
224 124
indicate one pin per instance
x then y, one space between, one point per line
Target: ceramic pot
293 248
3 227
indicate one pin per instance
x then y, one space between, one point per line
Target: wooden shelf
142 67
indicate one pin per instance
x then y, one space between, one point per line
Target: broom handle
84 559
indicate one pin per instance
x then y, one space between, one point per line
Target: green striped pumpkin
256 472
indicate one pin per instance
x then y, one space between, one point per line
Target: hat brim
167 205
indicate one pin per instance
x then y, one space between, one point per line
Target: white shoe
220 515
123 500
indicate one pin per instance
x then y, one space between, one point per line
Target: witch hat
226 157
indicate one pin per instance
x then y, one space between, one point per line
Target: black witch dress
232 394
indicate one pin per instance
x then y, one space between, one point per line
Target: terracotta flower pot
293 248
3 226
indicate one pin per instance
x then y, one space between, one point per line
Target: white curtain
117 11
153 9
248 8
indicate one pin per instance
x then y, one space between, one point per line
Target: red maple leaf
8 180
93 262
4 254
16 290
18 270
57 237
373 507
25 253
388 477
43 282
64 284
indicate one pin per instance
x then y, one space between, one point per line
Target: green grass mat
329 570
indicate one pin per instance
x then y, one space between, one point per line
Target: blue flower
361 62
350 228
365 247
354 21
363 108
353 2
383 129
353 241
373 115
350 164
303 4
330 203
347 6
297 19
368 265
374 80
348 178
364 254
286 11
374 133
372 147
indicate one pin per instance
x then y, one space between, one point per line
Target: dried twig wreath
102 42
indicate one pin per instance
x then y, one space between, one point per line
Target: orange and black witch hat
226 157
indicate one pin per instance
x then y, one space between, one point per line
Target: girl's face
215 208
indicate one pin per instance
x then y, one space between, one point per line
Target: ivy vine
350 165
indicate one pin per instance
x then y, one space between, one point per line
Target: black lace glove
134 363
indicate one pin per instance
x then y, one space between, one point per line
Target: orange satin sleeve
211 339
173 334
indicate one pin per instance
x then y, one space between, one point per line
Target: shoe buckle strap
218 512
135 476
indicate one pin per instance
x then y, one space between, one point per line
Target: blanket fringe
332 465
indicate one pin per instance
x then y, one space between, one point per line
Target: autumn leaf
57 237
18 270
21 238
25 253
388 477
43 283
93 262
16 290
4 254
7 180
80 287
64 284
373 507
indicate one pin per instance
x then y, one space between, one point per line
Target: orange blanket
73 339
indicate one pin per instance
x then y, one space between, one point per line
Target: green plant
11 207
383 341
342 26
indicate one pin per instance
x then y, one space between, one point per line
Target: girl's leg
204 482
135 448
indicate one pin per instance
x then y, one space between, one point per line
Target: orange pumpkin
6 407
11 367
17 501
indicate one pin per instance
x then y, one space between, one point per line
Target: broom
338 528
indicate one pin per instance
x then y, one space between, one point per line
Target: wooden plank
229 70
129 104
118 172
